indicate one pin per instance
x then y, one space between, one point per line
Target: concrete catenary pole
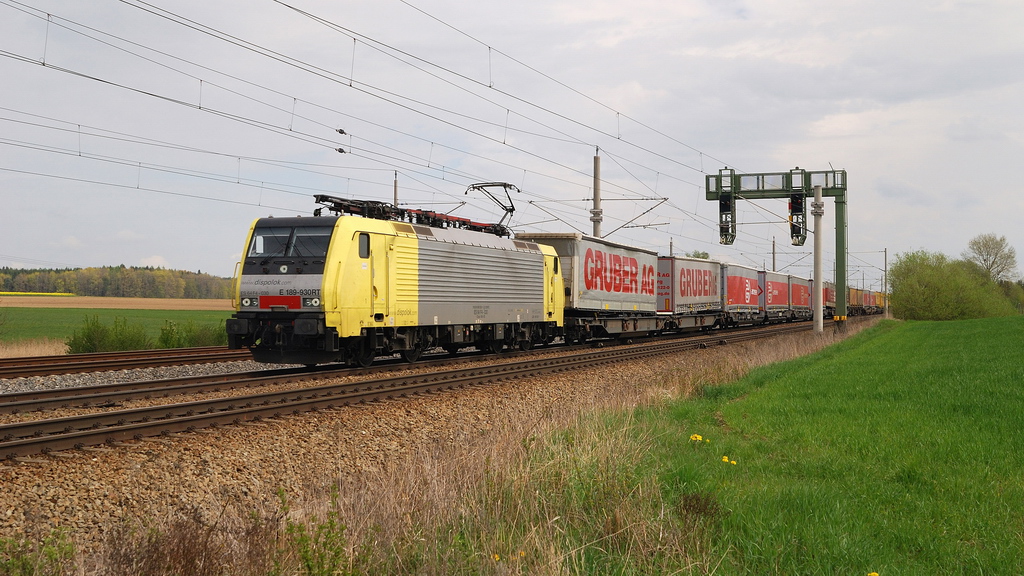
885 286
396 188
817 303
596 213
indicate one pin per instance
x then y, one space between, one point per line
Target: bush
930 286
190 334
97 337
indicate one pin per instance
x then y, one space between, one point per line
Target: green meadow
61 323
899 451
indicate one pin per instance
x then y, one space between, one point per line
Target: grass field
60 323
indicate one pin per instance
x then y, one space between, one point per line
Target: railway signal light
797 219
727 218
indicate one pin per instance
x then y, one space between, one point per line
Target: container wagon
609 287
774 296
740 296
800 298
689 292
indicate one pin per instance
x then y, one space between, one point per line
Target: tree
994 255
697 254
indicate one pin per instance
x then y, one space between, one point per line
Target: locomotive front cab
279 292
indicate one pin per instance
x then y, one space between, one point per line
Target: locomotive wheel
364 355
496 346
413 355
525 345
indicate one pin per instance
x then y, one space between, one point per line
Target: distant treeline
122 281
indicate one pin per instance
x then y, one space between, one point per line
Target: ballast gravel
30 383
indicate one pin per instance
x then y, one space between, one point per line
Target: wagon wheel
496 346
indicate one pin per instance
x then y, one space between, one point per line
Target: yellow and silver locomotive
376 280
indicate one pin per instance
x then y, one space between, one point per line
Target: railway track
23 439
95 362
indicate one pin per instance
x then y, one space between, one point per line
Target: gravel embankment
88 491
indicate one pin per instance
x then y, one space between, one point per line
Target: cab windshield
290 241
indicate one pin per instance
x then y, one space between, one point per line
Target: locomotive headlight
246 302
310 302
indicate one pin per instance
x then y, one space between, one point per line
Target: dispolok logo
609 272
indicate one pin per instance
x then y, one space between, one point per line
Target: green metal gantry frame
727 186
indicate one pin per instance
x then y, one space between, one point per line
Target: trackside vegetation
95 336
896 451
931 286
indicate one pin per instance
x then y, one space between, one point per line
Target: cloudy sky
153 133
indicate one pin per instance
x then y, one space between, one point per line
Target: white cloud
128 235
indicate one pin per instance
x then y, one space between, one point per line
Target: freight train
373 280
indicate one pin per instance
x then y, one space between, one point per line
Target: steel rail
29 438
95 362
104 395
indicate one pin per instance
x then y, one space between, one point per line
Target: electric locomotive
375 280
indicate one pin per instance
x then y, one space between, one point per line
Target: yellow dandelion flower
872 573
497 558
521 554
733 462
696 437
707 440
725 458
